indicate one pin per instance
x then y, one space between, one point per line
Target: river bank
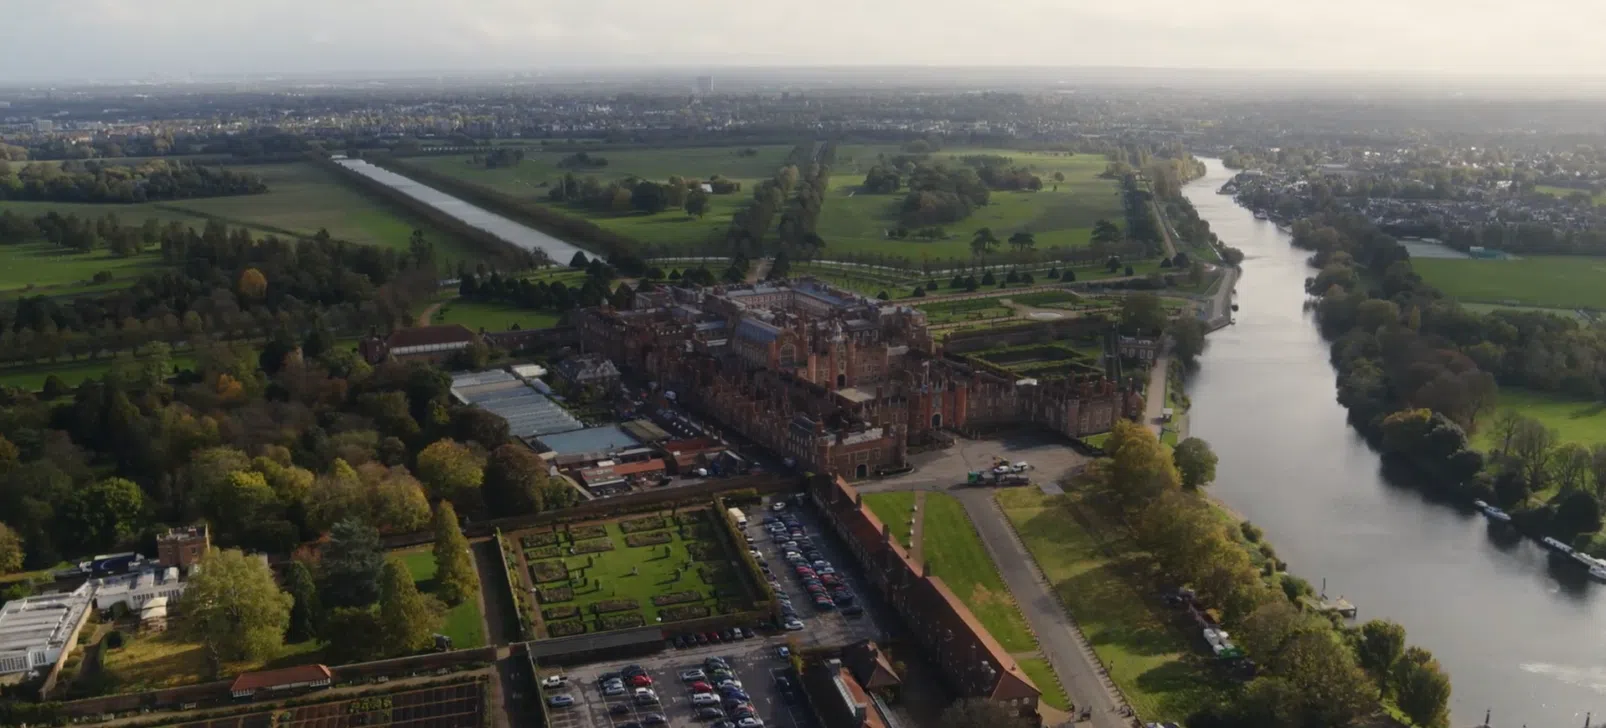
1517 636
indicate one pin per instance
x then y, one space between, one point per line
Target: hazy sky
45 39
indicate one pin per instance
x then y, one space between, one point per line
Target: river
515 233
1516 636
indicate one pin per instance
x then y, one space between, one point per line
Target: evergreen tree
455 578
306 610
579 260
352 561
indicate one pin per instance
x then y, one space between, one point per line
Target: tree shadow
1183 686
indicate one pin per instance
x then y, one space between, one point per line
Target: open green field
532 179
1574 420
478 315
680 560
463 622
1600 199
957 556
163 660
301 199
40 265
893 510
1099 584
1550 281
851 221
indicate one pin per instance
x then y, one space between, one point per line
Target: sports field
1062 216
532 179
1548 281
301 199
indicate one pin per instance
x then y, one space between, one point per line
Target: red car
640 681
701 687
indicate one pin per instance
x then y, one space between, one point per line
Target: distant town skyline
124 39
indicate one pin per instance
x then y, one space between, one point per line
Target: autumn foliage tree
234 608
455 577
253 285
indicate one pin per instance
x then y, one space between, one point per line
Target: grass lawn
1161 673
72 373
1600 199
620 582
532 179
956 554
151 662
300 200
492 316
1065 217
1042 674
40 266
1575 420
893 510
1552 281
463 622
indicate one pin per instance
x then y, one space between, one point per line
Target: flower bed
532 540
543 552
565 628
593 546
553 594
664 600
622 621
675 614
649 539
556 613
544 572
581 533
614 605
705 552
645 523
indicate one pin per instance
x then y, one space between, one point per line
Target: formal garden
652 568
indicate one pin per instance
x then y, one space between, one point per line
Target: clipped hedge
581 533
544 572
676 614
553 594
654 538
645 523
556 613
543 552
565 628
664 600
622 621
614 605
593 546
533 540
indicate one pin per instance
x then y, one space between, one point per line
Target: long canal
1518 638
513 232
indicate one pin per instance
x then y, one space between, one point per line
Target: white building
134 590
38 631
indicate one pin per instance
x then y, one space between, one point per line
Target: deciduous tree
253 285
514 480
978 713
234 608
11 551
1422 690
407 618
453 471
1196 462
104 513
455 577
1381 645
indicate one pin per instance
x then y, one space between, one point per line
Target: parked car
659 719
632 670
701 687
692 675
716 663
793 625
613 691
700 699
561 700
619 709
750 723
640 681
853 610
783 652
710 713
555 681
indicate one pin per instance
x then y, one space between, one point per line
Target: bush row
648 539
614 605
645 523
664 600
